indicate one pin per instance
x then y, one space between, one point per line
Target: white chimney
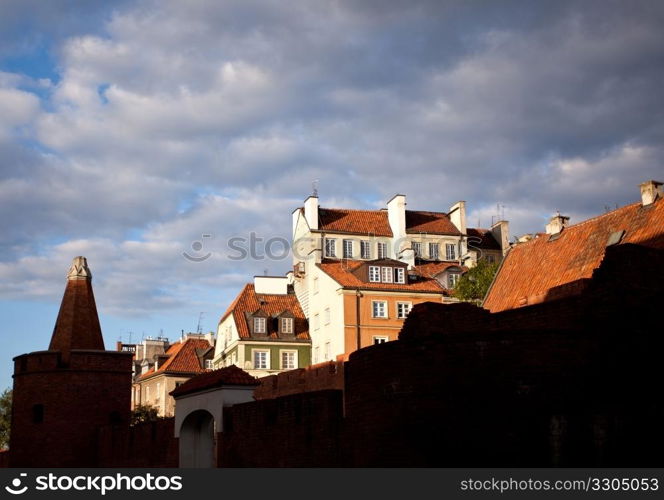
457 215
650 192
396 216
556 224
275 285
501 232
311 211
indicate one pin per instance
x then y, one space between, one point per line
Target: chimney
557 224
457 215
650 192
77 325
311 211
396 215
501 232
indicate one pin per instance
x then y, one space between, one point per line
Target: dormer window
259 325
286 325
387 274
452 280
374 274
399 275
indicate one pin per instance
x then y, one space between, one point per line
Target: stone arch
197 440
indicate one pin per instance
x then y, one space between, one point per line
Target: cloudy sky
129 129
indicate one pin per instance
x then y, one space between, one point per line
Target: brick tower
63 395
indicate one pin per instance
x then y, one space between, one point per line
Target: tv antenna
200 317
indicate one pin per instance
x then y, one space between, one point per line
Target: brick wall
150 444
322 376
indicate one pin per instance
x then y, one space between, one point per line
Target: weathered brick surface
150 444
91 391
318 377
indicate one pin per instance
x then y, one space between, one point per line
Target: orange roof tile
341 272
482 238
248 301
530 270
354 221
429 222
182 358
231 375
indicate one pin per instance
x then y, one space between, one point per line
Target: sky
140 133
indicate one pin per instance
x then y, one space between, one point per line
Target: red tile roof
375 222
182 358
430 222
354 221
341 272
231 375
531 270
248 301
482 238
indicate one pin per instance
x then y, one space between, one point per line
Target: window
259 325
327 316
387 274
452 280
399 275
417 248
374 273
382 250
379 309
433 251
316 321
316 284
288 360
209 365
261 360
491 259
286 325
234 358
37 414
365 249
316 354
380 340
328 351
330 247
403 308
348 249
450 251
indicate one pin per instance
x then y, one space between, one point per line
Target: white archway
197 440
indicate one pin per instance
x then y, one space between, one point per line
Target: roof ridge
354 209
624 207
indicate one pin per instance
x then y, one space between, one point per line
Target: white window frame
315 284
316 321
380 339
260 325
374 274
348 249
379 309
400 309
328 351
434 251
381 250
327 316
316 353
453 280
209 364
365 249
387 274
450 251
399 275
254 353
330 247
417 248
283 352
286 325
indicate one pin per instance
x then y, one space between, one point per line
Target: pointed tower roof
77 326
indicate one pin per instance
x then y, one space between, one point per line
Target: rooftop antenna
200 316
314 188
